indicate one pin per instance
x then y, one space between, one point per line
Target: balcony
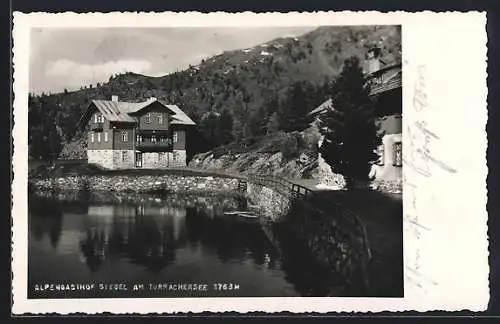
96 127
379 88
147 146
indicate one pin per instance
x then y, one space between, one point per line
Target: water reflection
149 233
47 221
174 237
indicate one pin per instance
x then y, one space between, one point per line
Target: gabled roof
179 117
120 111
384 69
117 111
327 105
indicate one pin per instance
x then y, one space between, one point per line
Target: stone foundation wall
114 159
102 158
155 160
123 159
178 159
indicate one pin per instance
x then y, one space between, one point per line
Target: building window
124 137
398 154
148 118
92 137
158 157
174 156
153 139
160 118
98 118
105 136
124 156
138 138
162 139
99 137
175 137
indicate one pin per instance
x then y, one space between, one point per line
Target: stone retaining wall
327 230
273 205
141 184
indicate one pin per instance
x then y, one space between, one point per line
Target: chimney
114 98
373 60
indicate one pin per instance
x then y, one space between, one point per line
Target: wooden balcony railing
383 87
154 146
97 127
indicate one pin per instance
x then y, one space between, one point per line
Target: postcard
193 162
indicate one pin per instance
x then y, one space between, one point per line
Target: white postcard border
445 228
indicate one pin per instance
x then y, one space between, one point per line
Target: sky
68 58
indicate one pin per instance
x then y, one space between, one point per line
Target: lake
170 246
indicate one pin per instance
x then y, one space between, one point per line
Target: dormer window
98 118
148 118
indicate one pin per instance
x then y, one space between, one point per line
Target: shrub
290 146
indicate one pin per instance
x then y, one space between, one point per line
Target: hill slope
251 84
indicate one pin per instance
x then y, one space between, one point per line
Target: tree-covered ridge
237 96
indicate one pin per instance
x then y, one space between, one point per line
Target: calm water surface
168 241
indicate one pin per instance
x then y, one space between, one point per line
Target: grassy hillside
249 87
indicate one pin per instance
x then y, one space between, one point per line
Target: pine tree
349 128
293 111
257 122
44 134
226 127
273 124
209 127
239 121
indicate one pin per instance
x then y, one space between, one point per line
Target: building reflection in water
143 234
151 233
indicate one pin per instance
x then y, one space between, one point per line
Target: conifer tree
351 135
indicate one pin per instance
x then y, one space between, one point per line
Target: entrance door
138 160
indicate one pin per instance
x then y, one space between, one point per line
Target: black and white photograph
207 162
193 162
